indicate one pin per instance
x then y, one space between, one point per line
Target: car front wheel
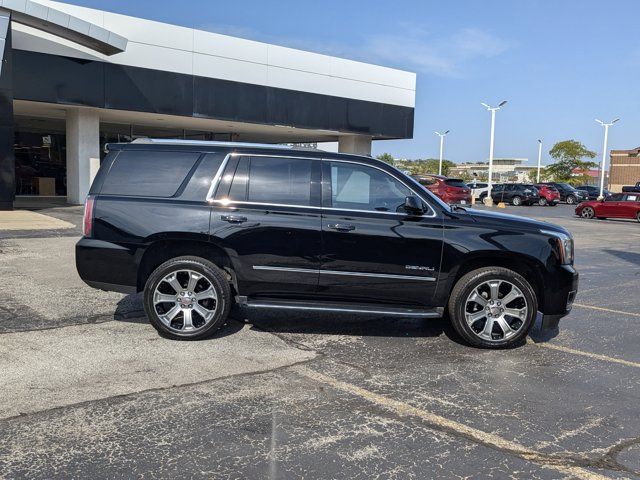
587 212
571 200
187 298
493 307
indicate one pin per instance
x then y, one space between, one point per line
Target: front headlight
565 246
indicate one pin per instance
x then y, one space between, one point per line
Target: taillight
87 223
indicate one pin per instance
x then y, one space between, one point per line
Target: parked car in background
549 195
478 188
618 205
632 188
515 193
300 229
568 193
594 192
449 190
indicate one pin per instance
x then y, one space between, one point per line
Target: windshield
566 186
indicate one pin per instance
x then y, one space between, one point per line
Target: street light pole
603 167
441 135
539 160
493 111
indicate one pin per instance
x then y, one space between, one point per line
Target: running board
358 308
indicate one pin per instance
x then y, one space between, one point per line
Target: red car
619 205
450 190
549 195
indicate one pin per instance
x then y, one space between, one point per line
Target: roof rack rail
207 143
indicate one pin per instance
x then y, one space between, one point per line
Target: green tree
569 155
387 158
424 166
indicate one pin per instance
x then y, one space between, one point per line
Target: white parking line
594 356
489 439
601 309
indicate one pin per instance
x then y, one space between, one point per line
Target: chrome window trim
218 177
346 274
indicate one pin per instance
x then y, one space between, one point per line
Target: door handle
342 227
233 219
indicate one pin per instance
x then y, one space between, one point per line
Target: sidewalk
19 220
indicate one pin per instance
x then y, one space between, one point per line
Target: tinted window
280 181
618 197
510 188
148 174
454 182
238 190
427 181
497 188
359 187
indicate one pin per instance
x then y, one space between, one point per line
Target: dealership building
73 79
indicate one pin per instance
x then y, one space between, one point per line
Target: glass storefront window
40 153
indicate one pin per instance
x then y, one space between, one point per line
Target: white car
478 189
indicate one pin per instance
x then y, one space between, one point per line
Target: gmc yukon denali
201 227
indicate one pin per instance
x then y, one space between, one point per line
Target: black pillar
7 160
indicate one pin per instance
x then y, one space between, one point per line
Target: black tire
638 216
466 286
553 204
212 275
516 201
543 202
588 213
571 200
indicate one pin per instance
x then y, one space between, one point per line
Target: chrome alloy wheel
496 310
587 212
185 301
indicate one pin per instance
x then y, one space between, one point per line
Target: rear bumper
107 266
560 294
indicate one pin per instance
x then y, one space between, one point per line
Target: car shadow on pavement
320 323
630 257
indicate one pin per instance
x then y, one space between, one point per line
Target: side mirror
413 205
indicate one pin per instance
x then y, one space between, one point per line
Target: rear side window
454 182
148 174
283 181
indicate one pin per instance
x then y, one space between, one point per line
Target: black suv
568 193
200 227
593 193
515 193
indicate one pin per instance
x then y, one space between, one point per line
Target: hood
519 223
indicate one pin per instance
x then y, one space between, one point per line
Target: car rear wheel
587 212
571 200
493 307
187 298
542 202
638 216
516 201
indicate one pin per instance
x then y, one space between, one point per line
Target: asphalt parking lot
90 390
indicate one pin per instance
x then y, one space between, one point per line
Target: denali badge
418 267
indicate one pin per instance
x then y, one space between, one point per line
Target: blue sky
559 63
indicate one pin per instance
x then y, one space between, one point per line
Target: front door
372 249
266 215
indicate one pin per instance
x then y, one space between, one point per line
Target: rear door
266 215
373 250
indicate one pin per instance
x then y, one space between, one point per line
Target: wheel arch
527 267
163 250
